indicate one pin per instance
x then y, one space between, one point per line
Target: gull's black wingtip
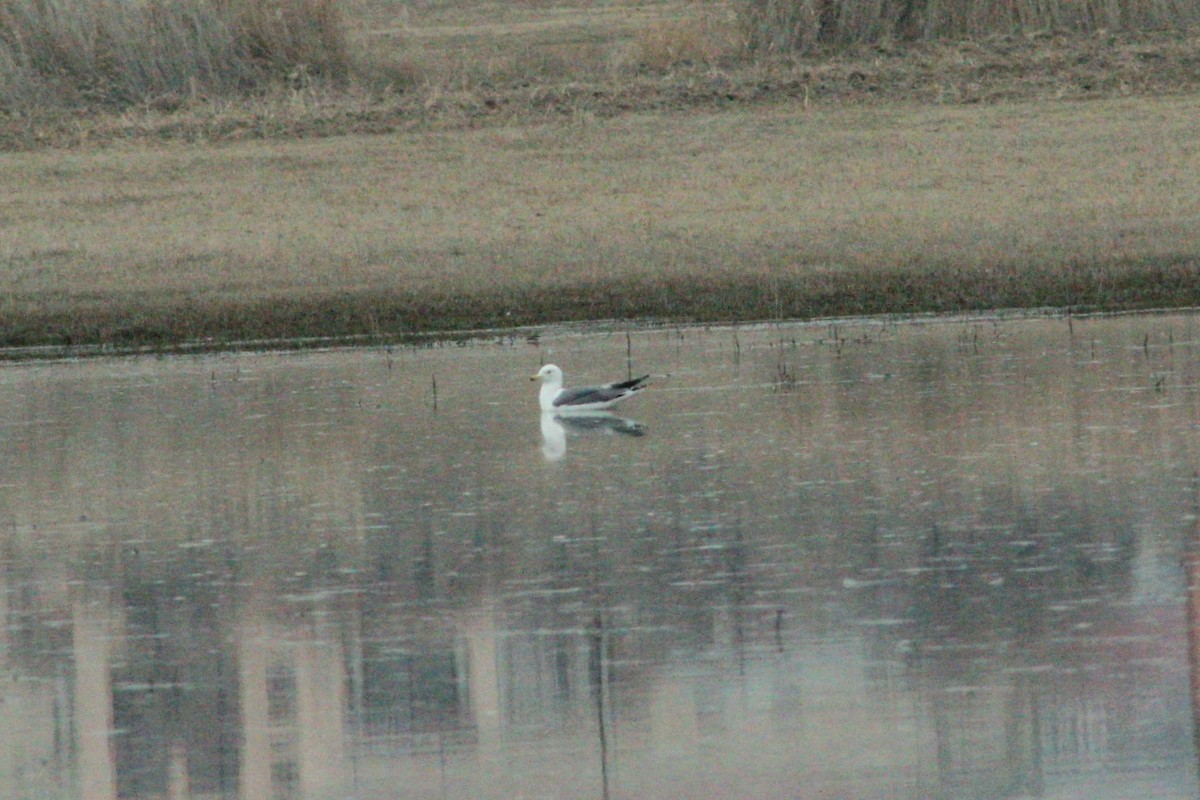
635 383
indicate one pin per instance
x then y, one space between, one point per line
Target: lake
865 559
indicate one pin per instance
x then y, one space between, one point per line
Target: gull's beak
534 377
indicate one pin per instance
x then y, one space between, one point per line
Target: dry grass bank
379 66
113 54
740 214
494 163
807 24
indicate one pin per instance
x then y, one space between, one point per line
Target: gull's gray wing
599 394
588 394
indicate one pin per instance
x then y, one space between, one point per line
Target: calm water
866 561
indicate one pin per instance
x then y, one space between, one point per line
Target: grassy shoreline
127 326
1044 67
697 217
131 323
1025 172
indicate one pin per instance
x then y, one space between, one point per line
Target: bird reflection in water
556 426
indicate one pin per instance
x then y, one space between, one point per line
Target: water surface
864 560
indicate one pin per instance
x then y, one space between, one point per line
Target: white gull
553 397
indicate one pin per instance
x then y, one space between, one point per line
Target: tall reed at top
788 25
117 53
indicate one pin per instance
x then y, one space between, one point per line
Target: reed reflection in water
905 561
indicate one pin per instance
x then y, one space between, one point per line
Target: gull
553 397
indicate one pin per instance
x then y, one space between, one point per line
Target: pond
939 559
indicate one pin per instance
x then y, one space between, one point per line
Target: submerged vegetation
851 157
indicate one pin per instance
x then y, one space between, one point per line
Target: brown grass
494 173
202 56
117 53
707 37
740 214
788 25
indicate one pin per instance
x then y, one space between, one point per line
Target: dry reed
117 53
703 37
805 25
163 55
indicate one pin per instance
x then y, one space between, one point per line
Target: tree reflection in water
926 570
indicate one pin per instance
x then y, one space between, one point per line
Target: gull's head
550 374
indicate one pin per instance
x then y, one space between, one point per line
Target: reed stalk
118 53
806 25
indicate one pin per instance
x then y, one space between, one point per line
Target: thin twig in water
628 356
785 378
